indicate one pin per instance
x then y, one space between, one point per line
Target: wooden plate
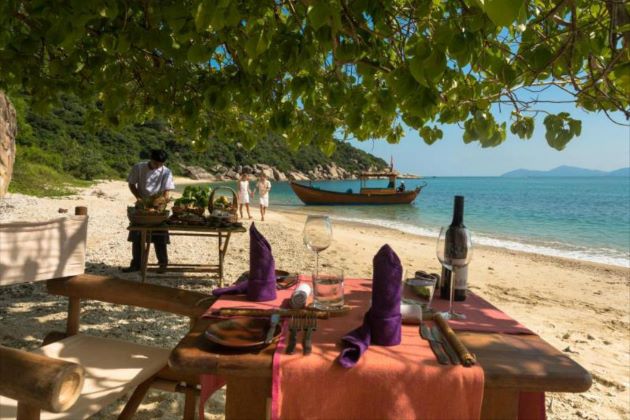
240 332
284 279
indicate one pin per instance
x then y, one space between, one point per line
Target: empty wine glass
454 250
317 235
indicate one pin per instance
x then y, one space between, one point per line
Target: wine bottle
445 283
456 250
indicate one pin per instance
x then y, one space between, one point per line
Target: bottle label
460 277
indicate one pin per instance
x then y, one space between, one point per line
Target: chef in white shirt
150 179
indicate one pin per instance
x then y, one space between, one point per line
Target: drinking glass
418 289
328 289
317 235
453 264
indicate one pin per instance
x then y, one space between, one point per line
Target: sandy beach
580 308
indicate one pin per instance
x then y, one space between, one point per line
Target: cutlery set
308 324
442 348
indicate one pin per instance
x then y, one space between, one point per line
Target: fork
309 327
295 325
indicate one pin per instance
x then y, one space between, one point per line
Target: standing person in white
150 180
243 194
263 186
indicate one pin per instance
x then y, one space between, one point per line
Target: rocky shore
319 172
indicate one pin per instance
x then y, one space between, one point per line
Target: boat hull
316 196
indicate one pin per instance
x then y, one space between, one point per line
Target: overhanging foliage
312 70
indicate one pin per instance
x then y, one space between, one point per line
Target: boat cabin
390 188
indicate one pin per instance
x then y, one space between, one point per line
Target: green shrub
41 180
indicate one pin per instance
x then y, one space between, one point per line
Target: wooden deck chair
73 375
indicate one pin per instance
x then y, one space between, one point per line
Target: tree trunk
8 132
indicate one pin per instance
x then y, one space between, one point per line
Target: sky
602 145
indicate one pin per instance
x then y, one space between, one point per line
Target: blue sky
603 145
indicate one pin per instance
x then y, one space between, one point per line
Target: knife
436 346
437 334
273 323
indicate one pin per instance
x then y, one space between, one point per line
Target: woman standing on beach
243 194
263 186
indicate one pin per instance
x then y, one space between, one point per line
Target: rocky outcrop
297 176
220 172
197 172
8 132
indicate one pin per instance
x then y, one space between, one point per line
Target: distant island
566 171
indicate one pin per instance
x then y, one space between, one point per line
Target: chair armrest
39 381
125 292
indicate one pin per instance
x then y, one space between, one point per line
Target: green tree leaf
319 14
502 12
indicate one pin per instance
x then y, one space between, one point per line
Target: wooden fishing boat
388 195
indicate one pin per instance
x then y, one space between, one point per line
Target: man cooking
150 180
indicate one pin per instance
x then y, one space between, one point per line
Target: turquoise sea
582 218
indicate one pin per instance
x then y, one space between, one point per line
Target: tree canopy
313 70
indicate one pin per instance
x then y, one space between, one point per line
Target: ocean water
582 217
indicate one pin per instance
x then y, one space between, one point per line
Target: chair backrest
34 251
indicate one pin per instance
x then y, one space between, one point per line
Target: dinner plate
240 332
284 279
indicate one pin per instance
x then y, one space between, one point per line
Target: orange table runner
397 382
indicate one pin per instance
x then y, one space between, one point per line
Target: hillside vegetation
61 147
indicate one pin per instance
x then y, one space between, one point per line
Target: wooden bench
75 375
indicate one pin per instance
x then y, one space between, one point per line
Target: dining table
513 365
222 234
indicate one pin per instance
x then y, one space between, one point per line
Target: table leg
248 398
221 255
146 247
499 404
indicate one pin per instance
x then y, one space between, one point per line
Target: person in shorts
263 186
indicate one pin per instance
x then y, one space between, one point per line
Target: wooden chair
75 375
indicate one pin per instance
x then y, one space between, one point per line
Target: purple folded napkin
260 285
382 322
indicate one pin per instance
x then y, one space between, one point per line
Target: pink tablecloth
389 382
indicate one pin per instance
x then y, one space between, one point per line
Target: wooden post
190 403
80 211
136 398
256 391
499 404
74 312
220 261
27 412
39 382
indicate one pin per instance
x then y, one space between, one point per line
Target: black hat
159 155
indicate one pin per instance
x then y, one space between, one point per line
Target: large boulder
333 171
196 172
232 174
297 176
8 132
268 172
278 175
218 169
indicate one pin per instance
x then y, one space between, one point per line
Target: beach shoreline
581 308
551 259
